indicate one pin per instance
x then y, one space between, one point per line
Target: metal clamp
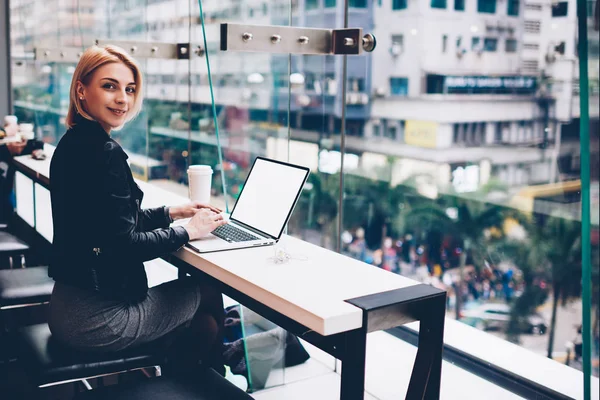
140 50
294 40
63 54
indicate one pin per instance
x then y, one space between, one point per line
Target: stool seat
209 386
48 361
25 286
11 244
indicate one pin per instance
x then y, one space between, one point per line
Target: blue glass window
486 6
399 4
513 8
399 86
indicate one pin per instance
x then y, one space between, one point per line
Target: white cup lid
200 168
10 119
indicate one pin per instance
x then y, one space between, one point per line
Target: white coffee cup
10 120
26 131
200 178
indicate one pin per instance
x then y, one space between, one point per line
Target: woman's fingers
217 224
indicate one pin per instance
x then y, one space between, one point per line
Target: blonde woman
101 301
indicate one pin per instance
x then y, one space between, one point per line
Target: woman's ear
80 90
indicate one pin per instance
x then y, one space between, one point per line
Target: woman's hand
190 209
203 222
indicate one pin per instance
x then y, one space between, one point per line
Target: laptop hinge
263 234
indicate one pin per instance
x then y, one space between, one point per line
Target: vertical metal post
5 78
586 278
338 241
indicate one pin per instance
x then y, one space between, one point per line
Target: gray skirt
92 321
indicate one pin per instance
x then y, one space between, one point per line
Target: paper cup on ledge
10 120
26 131
200 178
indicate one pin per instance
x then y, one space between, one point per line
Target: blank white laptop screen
268 196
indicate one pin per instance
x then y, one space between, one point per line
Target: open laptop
262 209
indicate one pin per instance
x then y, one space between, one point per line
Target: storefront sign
452 84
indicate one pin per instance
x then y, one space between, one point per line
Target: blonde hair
92 59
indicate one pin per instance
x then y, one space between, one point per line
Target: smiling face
109 95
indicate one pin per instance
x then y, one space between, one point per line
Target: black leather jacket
101 234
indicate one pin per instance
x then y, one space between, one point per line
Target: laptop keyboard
233 234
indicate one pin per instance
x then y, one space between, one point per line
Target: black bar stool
207 386
11 247
47 362
19 289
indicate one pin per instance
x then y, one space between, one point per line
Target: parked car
496 316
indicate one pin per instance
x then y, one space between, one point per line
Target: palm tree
525 254
561 246
471 226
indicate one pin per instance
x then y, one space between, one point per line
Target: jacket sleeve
122 237
154 218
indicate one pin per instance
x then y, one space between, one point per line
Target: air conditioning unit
352 98
396 49
555 51
380 92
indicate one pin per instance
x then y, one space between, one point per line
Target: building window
475 43
438 3
459 5
444 43
511 45
329 3
312 4
397 45
357 3
513 8
486 6
560 9
399 86
377 130
490 44
392 132
399 4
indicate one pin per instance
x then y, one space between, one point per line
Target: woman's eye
130 90
108 86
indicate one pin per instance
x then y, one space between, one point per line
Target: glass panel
456 185
459 5
251 101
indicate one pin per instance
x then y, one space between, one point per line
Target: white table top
42 167
310 288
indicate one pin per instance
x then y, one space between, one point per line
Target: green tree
473 226
560 246
525 254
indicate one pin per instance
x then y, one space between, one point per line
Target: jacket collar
91 126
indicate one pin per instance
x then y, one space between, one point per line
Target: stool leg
22 260
10 262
